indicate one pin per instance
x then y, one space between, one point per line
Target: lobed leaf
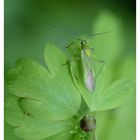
37 103
54 58
115 95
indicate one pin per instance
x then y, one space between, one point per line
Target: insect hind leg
101 62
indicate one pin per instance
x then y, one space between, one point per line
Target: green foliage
114 96
26 34
43 103
38 103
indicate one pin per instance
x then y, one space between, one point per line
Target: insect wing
88 69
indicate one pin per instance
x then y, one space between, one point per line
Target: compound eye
82 42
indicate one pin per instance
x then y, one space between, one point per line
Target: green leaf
115 95
32 128
105 49
40 130
54 58
41 92
61 136
29 127
38 103
27 79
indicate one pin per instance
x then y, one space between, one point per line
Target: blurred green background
26 34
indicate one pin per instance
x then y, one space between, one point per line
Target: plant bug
86 61
87 65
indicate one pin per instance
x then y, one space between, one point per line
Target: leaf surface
40 103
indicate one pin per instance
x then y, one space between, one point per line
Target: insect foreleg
69 45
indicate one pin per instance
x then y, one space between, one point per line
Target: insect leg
101 62
69 45
65 63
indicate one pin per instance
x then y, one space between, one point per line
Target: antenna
63 29
92 35
74 33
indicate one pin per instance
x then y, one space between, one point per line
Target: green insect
87 64
84 54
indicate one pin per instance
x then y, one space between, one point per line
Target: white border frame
137 69
2 69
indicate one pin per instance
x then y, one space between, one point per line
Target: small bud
88 123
